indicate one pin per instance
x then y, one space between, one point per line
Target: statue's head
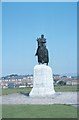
43 40
42 36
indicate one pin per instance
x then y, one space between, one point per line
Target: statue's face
42 36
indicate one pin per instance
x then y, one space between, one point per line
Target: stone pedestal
42 82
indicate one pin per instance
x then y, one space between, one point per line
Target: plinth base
43 82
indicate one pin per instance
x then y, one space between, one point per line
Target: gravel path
69 98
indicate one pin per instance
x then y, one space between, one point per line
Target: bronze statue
42 51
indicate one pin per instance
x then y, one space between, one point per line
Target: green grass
27 90
0 112
15 90
66 88
39 111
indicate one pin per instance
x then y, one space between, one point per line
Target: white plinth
42 82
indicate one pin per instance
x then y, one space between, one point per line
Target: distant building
56 77
20 81
13 81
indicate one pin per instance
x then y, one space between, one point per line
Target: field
39 111
27 90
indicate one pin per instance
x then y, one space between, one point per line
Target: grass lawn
39 111
15 90
66 88
0 112
27 90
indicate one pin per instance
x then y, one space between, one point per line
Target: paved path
57 98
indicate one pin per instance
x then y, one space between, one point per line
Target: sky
23 22
0 39
39 0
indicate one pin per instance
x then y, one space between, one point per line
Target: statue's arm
36 53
